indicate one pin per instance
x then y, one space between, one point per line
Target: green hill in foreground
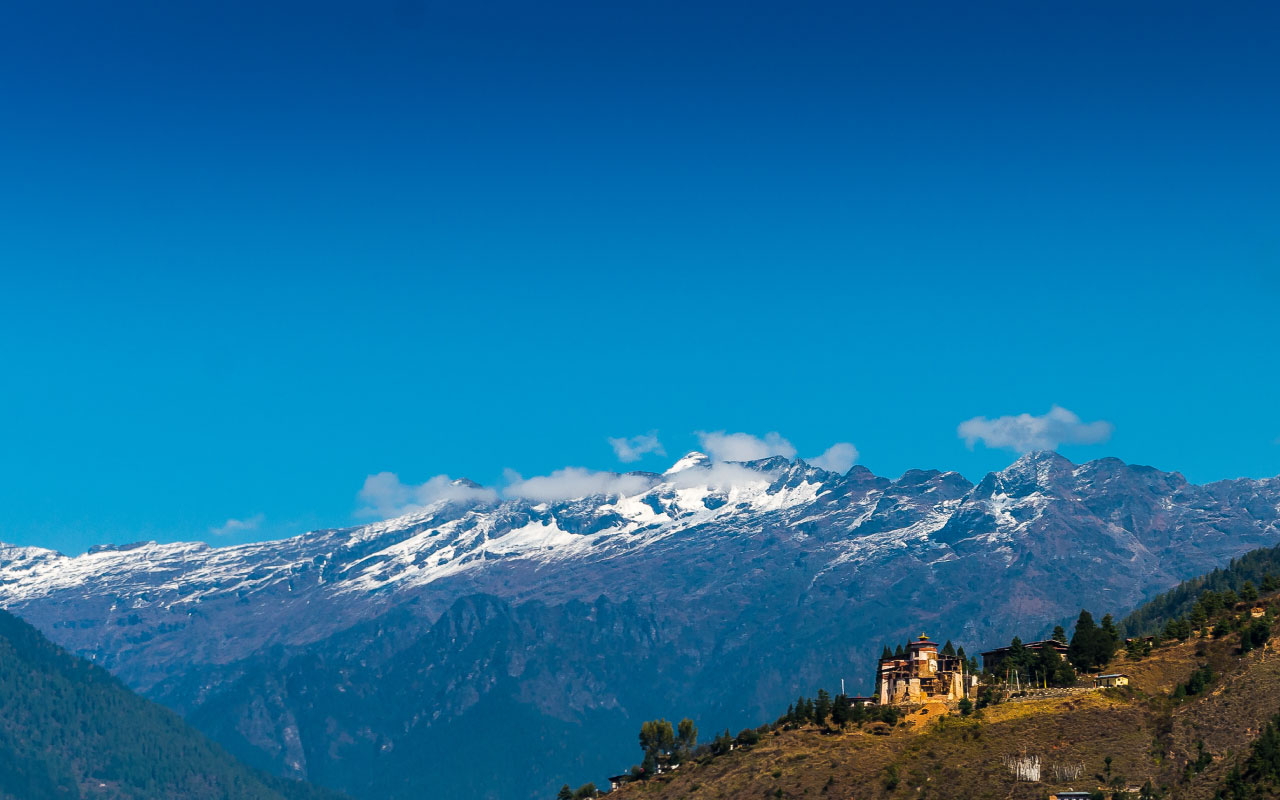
68 729
1198 721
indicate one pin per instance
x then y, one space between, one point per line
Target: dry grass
1145 733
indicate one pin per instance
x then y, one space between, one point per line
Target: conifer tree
686 737
858 713
656 737
1109 628
1090 645
1059 635
1018 658
840 711
1199 617
948 649
822 708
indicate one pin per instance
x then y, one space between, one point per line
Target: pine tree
1109 628
900 652
1090 646
1248 592
1059 635
656 737
1017 659
1199 617
687 737
858 713
887 654
948 649
840 711
565 793
822 708
1049 665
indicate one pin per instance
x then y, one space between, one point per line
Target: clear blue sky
254 252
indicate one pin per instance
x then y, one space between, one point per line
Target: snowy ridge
435 542
447 538
700 528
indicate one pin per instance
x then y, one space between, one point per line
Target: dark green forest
1251 572
68 729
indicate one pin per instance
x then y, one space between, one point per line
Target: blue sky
252 255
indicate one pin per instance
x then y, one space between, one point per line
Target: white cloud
720 475
723 446
385 496
572 483
1025 432
839 457
232 526
633 448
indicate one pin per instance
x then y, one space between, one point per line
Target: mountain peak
690 460
1042 457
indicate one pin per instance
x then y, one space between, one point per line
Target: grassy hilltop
1179 744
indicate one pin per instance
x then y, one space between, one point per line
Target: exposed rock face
362 656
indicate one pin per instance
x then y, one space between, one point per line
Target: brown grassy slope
1146 734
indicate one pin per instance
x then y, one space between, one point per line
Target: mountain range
380 659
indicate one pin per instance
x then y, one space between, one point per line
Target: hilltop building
923 675
993 659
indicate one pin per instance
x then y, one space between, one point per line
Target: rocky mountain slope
719 589
70 730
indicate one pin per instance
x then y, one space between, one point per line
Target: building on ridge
923 675
993 659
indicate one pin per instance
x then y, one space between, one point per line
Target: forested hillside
68 729
1255 571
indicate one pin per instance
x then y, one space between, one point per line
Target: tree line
1090 648
1260 569
837 712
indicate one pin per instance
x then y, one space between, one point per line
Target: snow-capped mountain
116 604
777 573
